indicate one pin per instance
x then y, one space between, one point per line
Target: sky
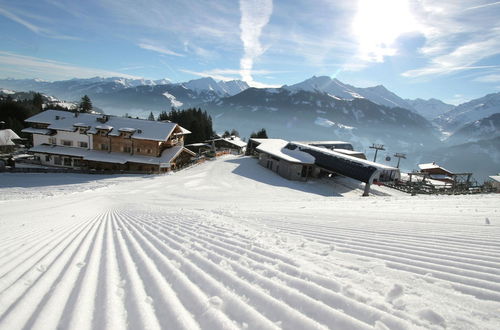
445 49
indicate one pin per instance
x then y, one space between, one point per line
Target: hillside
235 246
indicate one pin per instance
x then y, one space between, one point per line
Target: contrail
254 17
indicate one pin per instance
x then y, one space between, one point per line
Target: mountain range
317 108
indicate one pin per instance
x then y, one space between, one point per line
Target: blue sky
445 49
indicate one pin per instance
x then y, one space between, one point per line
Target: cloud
32 27
158 49
485 5
29 67
456 39
254 17
490 78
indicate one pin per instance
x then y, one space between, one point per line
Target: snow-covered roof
363 162
431 166
276 147
234 140
6 137
33 130
348 152
167 155
495 177
144 129
325 142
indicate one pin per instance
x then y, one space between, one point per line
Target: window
78 162
57 160
104 146
83 144
67 143
47 158
149 151
67 161
82 130
52 140
138 150
127 149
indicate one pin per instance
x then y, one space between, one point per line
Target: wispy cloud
158 49
457 39
29 67
485 5
254 17
42 31
490 78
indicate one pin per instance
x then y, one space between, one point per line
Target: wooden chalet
103 142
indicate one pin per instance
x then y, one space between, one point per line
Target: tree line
197 121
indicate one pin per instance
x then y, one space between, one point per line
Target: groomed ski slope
230 245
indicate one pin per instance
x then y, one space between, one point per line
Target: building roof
33 130
276 147
431 166
167 155
495 177
144 129
362 162
234 140
6 137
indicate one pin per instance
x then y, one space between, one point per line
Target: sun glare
377 25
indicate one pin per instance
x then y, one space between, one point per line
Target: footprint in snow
215 301
432 317
81 264
396 292
41 268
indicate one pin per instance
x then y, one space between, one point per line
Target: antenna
377 147
399 155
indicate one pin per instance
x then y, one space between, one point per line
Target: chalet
8 140
103 142
231 143
298 161
437 172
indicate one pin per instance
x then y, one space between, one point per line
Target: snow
176 103
6 137
320 121
276 147
228 244
66 121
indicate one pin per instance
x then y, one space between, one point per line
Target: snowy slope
235 246
430 108
470 111
221 88
377 94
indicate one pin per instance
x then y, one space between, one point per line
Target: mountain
431 108
482 129
311 115
377 94
221 88
469 112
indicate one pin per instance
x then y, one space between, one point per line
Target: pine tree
38 101
85 105
262 134
151 116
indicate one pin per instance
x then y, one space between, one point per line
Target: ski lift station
302 160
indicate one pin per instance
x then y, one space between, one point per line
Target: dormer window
82 130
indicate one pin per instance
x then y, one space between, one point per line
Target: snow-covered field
228 245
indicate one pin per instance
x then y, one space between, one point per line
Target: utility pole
377 147
399 156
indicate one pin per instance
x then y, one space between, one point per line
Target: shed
7 140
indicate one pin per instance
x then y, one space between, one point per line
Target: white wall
75 137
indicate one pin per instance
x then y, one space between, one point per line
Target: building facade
102 142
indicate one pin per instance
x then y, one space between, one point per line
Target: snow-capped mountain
482 129
221 88
431 108
306 115
377 94
470 111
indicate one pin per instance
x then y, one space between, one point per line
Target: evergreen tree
234 132
226 134
38 101
151 116
195 120
85 104
262 134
